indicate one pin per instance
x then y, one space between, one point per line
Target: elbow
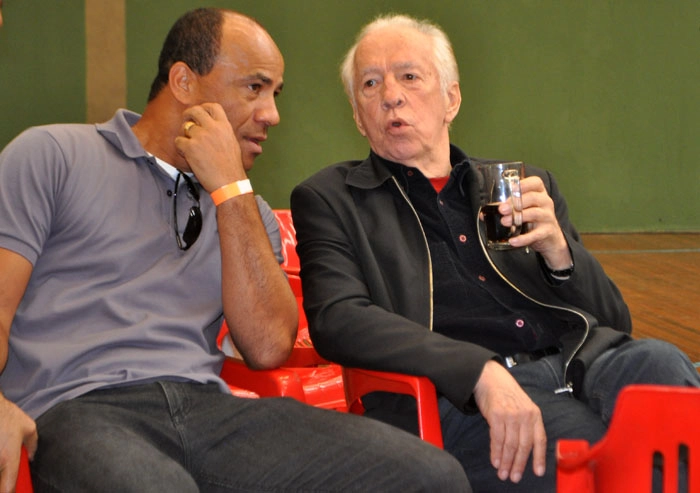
266 341
265 363
275 351
272 357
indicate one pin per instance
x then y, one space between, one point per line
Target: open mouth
397 123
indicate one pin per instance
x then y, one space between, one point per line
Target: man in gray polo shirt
123 246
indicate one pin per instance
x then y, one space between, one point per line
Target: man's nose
392 95
268 114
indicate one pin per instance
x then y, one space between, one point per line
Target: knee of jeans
655 346
656 349
666 361
445 474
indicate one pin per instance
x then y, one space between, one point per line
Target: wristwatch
561 274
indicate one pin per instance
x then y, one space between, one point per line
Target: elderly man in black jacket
525 346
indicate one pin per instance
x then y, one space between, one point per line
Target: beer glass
501 183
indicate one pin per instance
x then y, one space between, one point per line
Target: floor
659 276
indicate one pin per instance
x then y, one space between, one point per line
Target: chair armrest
303 357
359 382
574 474
266 383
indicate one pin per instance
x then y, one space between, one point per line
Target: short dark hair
194 39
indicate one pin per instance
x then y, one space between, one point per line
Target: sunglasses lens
193 227
194 218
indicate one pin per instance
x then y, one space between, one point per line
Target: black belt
526 357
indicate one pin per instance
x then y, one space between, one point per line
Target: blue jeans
185 437
641 361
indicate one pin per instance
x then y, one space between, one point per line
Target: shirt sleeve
31 171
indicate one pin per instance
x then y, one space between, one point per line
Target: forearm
259 306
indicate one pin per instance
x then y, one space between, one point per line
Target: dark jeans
642 361
183 437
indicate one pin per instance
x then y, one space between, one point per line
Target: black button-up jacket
368 282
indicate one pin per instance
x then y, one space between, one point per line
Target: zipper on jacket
427 246
568 385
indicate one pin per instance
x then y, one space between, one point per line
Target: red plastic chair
321 380
318 386
24 479
649 421
304 353
316 381
289 241
356 382
245 382
360 382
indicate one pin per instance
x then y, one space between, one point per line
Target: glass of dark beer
501 183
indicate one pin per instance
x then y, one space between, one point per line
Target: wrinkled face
399 104
245 80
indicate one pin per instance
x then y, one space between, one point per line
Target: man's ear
454 101
183 83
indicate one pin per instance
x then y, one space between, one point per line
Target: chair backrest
304 353
289 240
651 424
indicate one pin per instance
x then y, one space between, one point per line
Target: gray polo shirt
112 300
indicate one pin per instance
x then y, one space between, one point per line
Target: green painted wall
604 93
42 64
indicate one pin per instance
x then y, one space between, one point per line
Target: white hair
445 61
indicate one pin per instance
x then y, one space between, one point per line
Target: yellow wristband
231 190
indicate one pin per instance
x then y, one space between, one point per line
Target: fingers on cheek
183 145
213 109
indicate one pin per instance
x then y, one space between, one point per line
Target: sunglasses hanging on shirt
194 218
